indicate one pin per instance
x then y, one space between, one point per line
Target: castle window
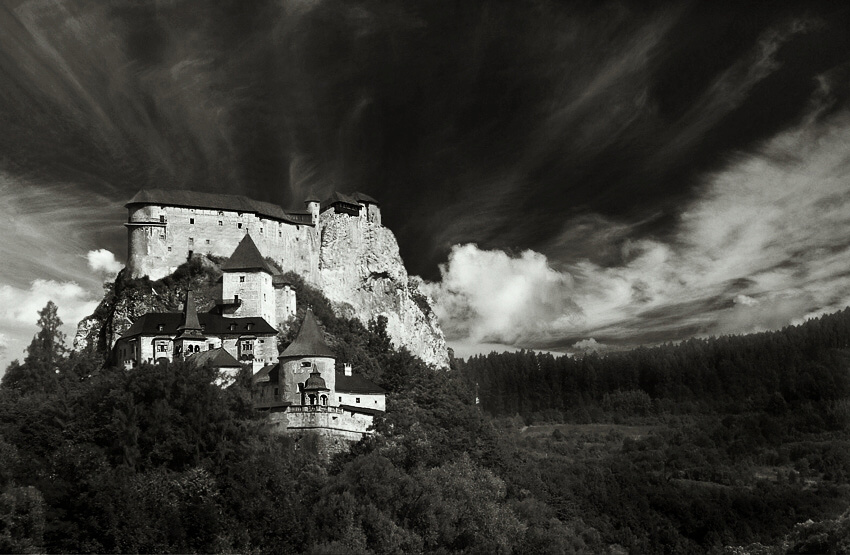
191 240
220 223
239 225
241 279
357 400
340 399
247 346
276 392
211 346
191 220
208 241
161 219
280 234
221 212
261 230
236 299
162 236
169 249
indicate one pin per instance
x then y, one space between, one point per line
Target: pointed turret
190 327
309 342
247 257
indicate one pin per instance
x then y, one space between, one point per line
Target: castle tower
284 300
313 207
190 337
306 358
371 208
247 289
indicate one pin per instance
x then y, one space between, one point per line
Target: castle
302 391
165 227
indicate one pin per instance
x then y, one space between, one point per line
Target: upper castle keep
165 227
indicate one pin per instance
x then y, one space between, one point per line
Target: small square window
169 249
239 225
357 400
241 279
220 223
191 220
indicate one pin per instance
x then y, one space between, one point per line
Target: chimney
347 367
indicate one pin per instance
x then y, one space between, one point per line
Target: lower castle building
302 391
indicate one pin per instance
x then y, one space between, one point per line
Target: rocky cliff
360 272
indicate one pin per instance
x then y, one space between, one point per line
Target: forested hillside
735 444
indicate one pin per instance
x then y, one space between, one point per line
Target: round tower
307 357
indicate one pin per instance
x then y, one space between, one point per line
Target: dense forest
724 445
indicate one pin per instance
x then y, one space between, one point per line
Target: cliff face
131 298
361 271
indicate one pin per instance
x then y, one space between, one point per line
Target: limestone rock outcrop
360 266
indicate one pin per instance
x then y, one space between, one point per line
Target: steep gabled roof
216 201
309 342
357 384
364 198
211 324
217 358
337 198
267 374
247 257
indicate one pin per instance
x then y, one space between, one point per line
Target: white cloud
489 296
102 260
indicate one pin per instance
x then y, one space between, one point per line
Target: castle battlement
166 227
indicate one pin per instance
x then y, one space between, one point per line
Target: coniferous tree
45 355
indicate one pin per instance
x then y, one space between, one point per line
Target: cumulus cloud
102 260
489 296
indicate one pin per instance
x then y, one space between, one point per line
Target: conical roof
247 257
309 342
315 382
190 327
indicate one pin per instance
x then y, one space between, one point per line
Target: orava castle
300 388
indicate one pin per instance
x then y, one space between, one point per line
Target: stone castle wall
157 250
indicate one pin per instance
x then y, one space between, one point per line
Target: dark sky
622 170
